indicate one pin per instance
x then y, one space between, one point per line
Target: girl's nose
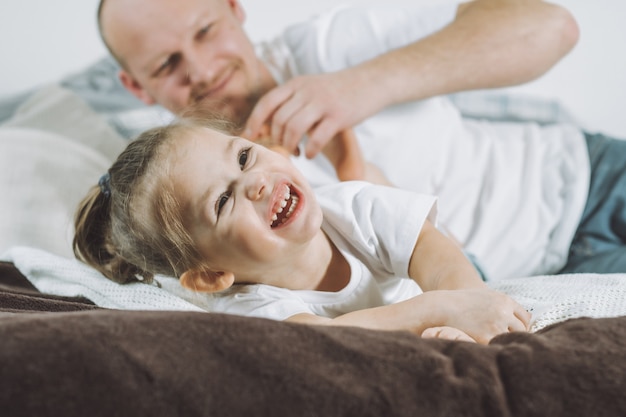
256 185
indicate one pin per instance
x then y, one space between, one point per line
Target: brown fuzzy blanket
66 357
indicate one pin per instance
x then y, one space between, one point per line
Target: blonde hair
133 228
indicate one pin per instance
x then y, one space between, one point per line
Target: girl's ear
206 280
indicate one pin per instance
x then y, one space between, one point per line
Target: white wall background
43 40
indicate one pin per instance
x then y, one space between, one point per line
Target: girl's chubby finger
264 138
524 316
518 325
446 332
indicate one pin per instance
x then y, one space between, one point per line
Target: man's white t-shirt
374 227
511 193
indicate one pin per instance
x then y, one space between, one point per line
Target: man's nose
255 185
199 68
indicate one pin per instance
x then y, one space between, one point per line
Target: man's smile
219 85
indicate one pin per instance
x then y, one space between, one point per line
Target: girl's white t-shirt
511 193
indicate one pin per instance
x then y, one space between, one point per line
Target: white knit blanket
555 298
57 275
551 298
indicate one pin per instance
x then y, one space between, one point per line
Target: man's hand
319 106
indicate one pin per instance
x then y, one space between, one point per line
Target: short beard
240 117
236 114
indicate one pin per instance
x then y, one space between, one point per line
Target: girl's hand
446 332
480 313
343 152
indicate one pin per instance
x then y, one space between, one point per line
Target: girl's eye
221 201
243 158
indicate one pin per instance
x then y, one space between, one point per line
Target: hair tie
105 184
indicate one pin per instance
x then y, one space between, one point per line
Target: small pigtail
92 241
92 226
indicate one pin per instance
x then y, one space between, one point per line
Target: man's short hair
119 60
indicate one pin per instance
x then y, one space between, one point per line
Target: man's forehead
137 13
144 29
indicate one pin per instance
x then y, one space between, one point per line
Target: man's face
186 53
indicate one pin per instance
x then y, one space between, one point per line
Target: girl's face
247 208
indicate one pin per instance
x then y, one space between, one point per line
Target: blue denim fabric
599 244
477 265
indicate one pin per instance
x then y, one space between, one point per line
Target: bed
75 344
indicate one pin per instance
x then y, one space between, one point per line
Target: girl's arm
480 313
344 153
437 263
454 296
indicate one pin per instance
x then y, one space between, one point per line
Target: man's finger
264 109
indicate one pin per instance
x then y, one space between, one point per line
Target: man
512 194
167 61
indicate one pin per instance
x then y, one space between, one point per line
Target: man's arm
491 43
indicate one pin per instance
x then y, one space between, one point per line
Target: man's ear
237 10
207 281
132 85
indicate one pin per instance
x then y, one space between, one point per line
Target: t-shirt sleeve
263 301
379 223
346 36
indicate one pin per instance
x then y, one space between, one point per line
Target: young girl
237 221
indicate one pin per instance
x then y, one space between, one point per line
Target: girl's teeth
283 204
294 203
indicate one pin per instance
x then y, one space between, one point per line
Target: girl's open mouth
286 207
